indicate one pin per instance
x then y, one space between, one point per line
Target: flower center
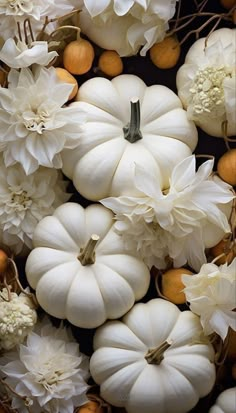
207 91
35 121
17 7
19 199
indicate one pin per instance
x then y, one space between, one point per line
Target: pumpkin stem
87 254
156 355
132 131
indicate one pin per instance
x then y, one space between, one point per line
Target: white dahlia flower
35 126
17 318
206 82
178 223
17 54
16 11
211 294
25 200
49 371
126 26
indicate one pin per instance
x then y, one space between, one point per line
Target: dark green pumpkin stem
132 131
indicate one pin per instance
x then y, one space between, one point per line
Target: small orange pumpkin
226 167
172 285
66 77
165 54
78 56
110 63
228 4
223 247
3 261
91 407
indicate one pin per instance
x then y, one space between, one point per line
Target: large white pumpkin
154 360
206 82
73 280
127 124
226 402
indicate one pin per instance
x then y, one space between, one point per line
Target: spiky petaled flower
25 200
211 294
180 222
49 371
35 126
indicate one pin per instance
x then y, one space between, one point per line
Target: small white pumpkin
206 82
76 281
225 402
127 124
154 360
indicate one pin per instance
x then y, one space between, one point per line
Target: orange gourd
110 63
228 4
165 54
66 77
223 247
78 56
172 285
3 261
91 407
226 167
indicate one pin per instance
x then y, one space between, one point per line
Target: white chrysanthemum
25 200
34 125
211 294
179 223
13 11
17 54
206 82
126 26
17 319
49 371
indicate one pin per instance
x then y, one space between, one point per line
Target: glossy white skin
194 60
104 162
85 295
226 402
119 366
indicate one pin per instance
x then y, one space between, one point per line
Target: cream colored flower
16 11
24 200
126 26
17 54
206 82
17 319
49 371
35 126
211 294
181 222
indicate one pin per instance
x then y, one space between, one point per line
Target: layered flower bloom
179 223
207 81
16 11
34 124
17 318
211 294
125 26
17 54
49 371
25 200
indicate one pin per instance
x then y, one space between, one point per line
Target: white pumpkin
154 360
226 402
206 82
127 124
77 281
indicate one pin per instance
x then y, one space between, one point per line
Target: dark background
145 69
